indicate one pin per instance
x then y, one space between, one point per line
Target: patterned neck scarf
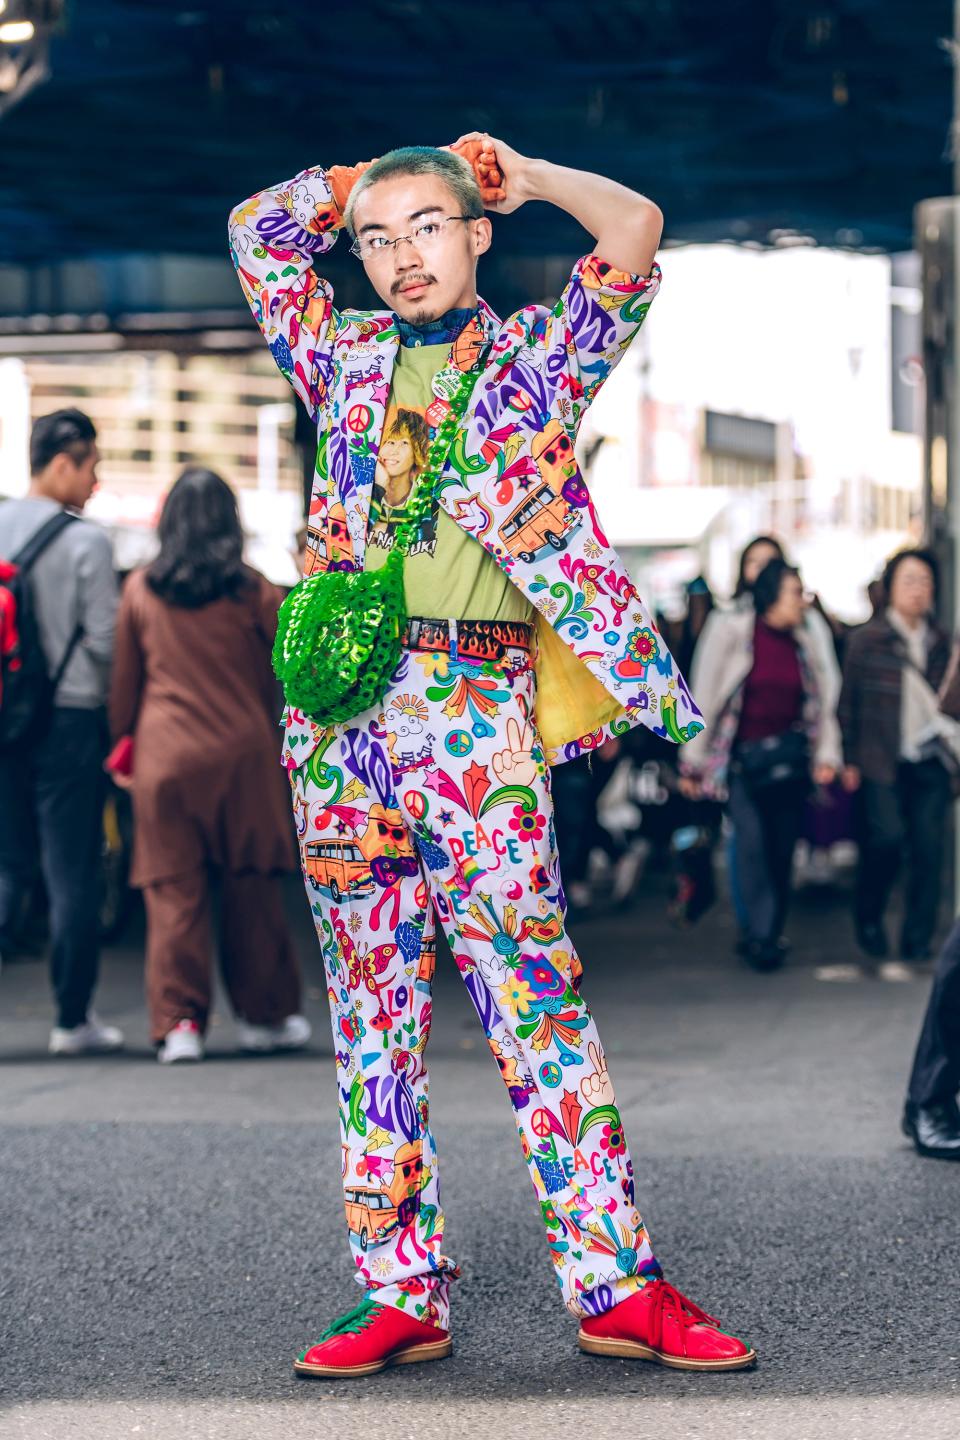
442 331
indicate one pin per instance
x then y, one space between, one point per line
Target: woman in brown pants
192 684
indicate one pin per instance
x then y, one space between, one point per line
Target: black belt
473 639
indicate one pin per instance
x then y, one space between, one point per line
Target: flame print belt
471 639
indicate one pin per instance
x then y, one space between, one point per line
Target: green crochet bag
339 633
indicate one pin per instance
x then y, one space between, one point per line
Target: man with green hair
526 645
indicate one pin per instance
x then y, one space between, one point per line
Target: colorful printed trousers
439 805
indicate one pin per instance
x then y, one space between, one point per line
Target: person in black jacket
888 711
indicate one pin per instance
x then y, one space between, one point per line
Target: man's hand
626 226
824 775
850 778
498 168
690 787
342 178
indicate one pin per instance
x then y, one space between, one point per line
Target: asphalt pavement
172 1236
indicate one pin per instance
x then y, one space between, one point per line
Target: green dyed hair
421 160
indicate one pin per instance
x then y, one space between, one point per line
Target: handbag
774 760
339 633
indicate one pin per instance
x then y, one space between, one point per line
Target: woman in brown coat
192 684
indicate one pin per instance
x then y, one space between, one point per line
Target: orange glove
342 178
482 157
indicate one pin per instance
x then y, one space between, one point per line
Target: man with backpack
58 601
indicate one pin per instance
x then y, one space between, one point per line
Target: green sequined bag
339 634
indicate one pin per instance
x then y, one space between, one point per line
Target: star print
445 817
379 393
433 781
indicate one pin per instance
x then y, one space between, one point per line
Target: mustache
406 280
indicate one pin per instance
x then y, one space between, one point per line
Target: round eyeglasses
425 236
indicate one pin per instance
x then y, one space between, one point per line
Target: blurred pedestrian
896 760
700 605
51 756
931 1117
765 695
756 554
193 686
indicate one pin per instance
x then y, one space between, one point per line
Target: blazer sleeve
274 237
585 335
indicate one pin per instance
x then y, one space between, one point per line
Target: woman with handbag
900 758
193 687
766 697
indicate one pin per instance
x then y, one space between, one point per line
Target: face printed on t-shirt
402 459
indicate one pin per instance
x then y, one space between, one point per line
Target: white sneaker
898 972
842 973
183 1042
292 1034
90 1038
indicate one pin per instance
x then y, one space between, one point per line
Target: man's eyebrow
417 214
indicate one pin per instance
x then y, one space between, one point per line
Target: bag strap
61 669
421 500
27 556
29 553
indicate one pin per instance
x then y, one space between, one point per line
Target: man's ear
482 236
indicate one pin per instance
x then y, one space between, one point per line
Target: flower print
540 975
550 1217
355 922
517 996
591 549
528 825
381 1266
612 1140
642 645
435 663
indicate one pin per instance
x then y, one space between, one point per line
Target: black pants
896 821
766 823
576 788
935 1078
51 797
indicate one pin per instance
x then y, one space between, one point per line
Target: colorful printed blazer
511 481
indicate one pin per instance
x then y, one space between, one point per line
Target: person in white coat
768 689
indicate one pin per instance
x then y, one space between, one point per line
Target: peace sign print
516 765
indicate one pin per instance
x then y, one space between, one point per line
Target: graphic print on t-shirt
402 459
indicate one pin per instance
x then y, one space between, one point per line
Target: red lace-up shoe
658 1323
370 1338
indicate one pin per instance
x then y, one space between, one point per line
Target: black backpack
27 687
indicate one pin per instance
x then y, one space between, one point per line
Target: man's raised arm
625 225
273 238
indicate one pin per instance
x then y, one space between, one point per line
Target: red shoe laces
667 1298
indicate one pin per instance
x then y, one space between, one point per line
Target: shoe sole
436 1350
85 1050
633 1350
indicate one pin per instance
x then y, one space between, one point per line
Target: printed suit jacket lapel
366 351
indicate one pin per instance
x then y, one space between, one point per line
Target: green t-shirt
448 574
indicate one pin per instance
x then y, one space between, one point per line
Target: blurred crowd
171 680
824 745
826 748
